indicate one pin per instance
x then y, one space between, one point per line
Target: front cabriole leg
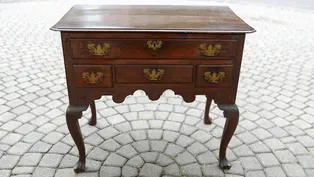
231 113
73 113
93 119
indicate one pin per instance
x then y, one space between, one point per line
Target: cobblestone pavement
275 136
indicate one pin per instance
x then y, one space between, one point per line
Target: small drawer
173 74
213 75
156 48
92 75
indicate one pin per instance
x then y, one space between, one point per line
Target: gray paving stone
115 160
213 144
108 132
237 168
123 139
139 124
285 156
47 172
64 172
247 138
130 116
92 165
191 170
297 149
278 132
5 173
261 133
145 115
187 129
161 115
259 147
177 117
115 119
136 162
11 138
154 134
255 174
170 125
185 158
170 136
123 127
33 137
110 171
243 151
60 148
40 147
8 161
164 160
150 170
19 148
306 161
94 139
98 154
190 120
128 171
155 124
127 151
212 170
138 135
110 145
11 125
158 145
294 131
184 141
306 141
25 129
68 161
22 170
53 137
275 172
207 158
30 159
309 172
141 146
172 170
250 163
197 148
201 136
149 157
274 144
268 159
293 170
173 150
50 160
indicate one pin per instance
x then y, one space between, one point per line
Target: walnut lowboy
193 50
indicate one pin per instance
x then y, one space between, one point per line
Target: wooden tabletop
152 18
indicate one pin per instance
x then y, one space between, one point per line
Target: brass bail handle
210 50
93 77
98 50
155 45
153 74
214 77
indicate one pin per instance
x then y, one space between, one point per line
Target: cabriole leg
93 119
207 119
231 113
74 113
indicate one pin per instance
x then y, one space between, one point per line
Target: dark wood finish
231 112
152 18
119 35
137 48
207 119
93 119
172 73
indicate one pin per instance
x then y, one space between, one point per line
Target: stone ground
275 136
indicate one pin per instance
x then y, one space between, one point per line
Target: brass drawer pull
154 44
98 50
93 77
154 75
214 77
209 50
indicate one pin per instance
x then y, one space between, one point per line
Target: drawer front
157 48
154 73
213 75
92 75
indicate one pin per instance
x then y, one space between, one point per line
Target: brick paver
275 136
